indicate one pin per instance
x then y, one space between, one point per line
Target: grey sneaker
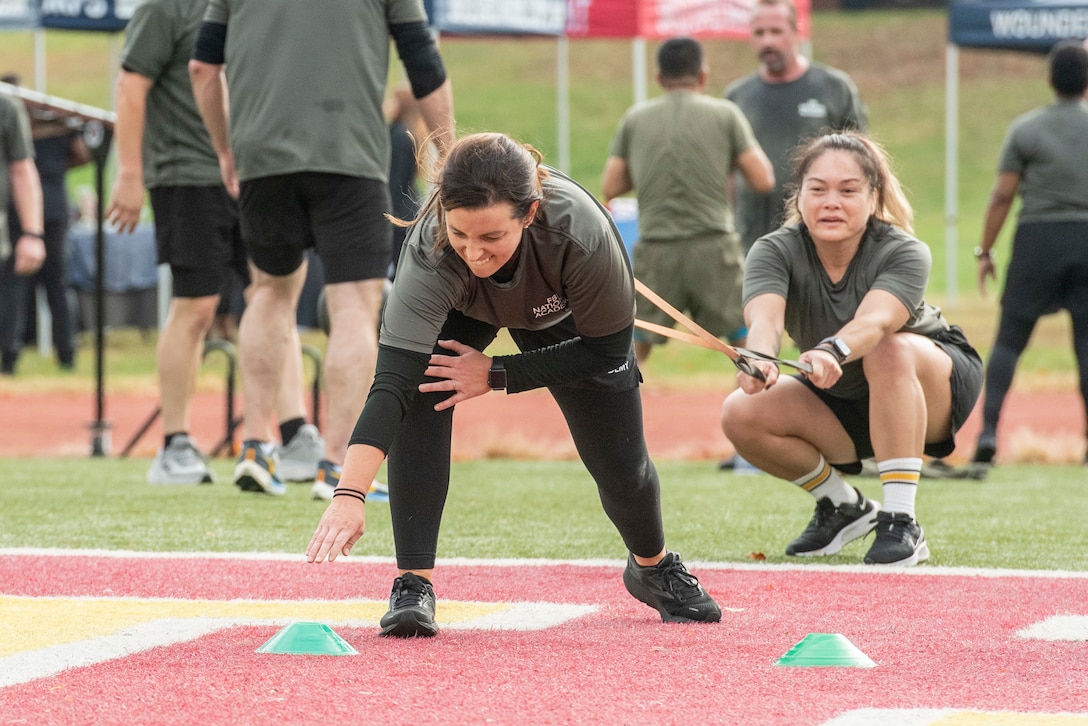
833 527
670 589
411 609
180 463
299 457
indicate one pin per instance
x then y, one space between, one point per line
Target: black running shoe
670 589
899 541
831 527
411 609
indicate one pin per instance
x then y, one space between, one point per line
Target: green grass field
1021 517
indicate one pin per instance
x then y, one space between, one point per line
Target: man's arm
26 193
437 110
997 211
616 179
427 76
210 91
127 196
757 169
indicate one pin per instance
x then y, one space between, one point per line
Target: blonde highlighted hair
892 205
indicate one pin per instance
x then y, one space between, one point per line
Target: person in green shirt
305 147
505 242
163 151
1044 160
677 152
891 379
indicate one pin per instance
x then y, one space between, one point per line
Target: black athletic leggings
606 426
1013 334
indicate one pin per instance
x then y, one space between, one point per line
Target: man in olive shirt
677 152
19 179
306 148
162 146
788 100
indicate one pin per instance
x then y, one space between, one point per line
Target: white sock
899 479
823 481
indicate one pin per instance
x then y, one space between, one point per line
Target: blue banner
507 17
1030 25
103 15
18 14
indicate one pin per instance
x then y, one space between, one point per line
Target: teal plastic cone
825 649
307 639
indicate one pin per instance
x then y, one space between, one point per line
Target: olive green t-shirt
784 263
177 150
1048 148
571 262
783 115
680 149
307 80
15 145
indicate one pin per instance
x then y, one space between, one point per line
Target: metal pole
951 177
97 137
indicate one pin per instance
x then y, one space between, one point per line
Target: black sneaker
899 541
670 589
831 527
411 609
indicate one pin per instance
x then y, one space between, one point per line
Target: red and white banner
667 18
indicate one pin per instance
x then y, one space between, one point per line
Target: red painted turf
939 641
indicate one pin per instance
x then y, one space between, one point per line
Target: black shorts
197 234
966 380
341 217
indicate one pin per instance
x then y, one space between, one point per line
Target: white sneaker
180 463
299 457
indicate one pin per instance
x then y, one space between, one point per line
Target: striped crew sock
899 479
823 481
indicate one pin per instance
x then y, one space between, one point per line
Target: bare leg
350 357
179 354
265 337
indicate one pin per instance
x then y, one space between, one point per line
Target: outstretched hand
465 374
341 526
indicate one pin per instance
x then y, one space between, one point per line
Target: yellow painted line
32 623
43 636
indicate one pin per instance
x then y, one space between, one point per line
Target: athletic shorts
701 277
1048 270
341 217
197 234
966 383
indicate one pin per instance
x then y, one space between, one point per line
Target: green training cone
825 649
307 639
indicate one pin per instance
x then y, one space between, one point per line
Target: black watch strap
496 375
836 347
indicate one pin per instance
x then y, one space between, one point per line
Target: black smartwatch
836 347
496 375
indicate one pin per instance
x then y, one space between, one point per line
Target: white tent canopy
1018 25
